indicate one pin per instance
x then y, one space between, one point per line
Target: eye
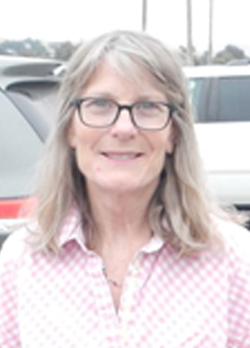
149 109
147 105
100 103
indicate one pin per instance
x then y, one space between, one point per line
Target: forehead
114 75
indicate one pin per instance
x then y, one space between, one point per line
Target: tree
64 50
27 48
229 53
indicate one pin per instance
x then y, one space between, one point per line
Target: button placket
127 307
100 290
107 318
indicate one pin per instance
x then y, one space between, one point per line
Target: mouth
122 156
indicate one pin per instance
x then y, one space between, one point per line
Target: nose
124 127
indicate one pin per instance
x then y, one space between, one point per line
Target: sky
79 20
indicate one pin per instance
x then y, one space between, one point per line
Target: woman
128 249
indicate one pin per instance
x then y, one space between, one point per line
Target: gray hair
181 206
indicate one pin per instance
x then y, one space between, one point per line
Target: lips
122 156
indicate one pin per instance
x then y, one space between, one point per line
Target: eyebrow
142 97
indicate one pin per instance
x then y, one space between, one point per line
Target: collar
155 244
72 231
72 228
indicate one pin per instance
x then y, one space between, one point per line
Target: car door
223 138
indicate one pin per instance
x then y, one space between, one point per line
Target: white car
221 100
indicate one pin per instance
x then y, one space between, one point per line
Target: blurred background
210 37
202 31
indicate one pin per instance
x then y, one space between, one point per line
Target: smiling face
120 158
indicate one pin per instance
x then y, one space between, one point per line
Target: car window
195 89
234 99
20 148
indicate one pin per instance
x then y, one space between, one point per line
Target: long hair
180 210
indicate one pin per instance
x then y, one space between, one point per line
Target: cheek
169 148
83 160
84 142
159 148
72 134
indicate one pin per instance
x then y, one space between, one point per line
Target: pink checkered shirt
64 301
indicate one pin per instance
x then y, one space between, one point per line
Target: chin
119 185
126 186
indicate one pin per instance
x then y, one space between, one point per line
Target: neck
121 220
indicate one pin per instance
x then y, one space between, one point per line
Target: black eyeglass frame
78 102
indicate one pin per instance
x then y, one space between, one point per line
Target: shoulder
15 246
235 255
236 238
237 247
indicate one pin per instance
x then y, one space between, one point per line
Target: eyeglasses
145 115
